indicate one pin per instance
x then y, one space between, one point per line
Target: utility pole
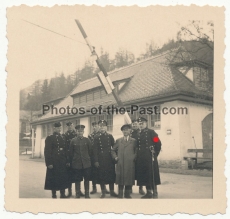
103 75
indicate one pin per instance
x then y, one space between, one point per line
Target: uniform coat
80 158
144 169
102 146
80 153
69 135
125 168
56 154
135 133
94 169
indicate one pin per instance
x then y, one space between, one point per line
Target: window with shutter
110 123
155 119
108 118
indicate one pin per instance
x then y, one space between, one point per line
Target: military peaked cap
69 123
141 119
79 127
125 126
94 123
57 124
102 121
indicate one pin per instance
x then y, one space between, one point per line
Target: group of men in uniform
72 158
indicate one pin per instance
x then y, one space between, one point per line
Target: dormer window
197 74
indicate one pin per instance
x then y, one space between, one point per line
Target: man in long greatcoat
135 133
69 135
94 169
103 160
124 152
149 146
57 162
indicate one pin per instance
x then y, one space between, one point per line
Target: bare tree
200 31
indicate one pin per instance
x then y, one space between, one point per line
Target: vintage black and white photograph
113 103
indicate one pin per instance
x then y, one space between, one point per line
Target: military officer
94 169
57 162
69 135
80 158
103 161
135 133
146 163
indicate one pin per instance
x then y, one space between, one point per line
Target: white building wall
183 128
37 146
170 142
118 121
86 122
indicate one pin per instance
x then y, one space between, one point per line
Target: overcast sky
39 54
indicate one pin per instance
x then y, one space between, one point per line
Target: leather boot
113 194
155 193
127 191
81 193
94 189
141 191
77 189
86 185
120 194
127 194
111 188
148 194
102 191
131 190
62 194
69 192
54 194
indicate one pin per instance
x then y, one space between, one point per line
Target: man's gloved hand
50 167
96 164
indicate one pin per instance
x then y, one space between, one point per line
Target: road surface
173 186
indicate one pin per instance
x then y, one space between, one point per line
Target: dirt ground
173 185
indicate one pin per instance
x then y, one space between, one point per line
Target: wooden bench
196 157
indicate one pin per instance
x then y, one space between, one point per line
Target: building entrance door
207 134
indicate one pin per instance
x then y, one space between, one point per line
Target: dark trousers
111 186
94 183
127 188
79 174
154 188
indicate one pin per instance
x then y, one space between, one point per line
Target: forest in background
42 91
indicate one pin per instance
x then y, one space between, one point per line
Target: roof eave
207 100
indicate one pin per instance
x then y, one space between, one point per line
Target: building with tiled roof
164 81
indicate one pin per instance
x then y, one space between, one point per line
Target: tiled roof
149 78
116 75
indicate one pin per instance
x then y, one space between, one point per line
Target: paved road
174 186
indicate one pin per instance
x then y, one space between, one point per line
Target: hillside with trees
193 38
